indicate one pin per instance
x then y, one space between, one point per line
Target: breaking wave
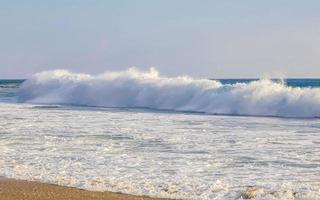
147 89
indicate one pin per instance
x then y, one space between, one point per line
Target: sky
200 38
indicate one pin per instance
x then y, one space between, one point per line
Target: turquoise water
9 90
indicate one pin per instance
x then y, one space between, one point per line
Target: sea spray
134 88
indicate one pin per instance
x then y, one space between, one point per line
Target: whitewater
142 133
147 89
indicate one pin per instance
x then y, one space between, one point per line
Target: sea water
140 133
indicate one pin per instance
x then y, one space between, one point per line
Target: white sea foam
134 88
169 155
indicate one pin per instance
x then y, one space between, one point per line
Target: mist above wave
135 88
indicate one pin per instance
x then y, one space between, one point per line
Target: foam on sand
147 89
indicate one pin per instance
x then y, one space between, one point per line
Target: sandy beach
25 190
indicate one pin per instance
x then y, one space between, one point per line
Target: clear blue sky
202 38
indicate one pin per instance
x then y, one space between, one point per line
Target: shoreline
31 190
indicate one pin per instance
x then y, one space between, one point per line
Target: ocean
141 133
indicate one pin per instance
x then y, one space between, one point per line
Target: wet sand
25 190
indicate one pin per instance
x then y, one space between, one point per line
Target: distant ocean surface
140 133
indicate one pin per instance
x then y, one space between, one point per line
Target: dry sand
25 190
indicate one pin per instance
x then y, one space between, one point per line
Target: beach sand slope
25 190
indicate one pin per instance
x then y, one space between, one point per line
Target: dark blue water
9 88
296 82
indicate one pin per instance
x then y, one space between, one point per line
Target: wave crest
135 88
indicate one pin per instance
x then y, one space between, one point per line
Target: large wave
147 89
